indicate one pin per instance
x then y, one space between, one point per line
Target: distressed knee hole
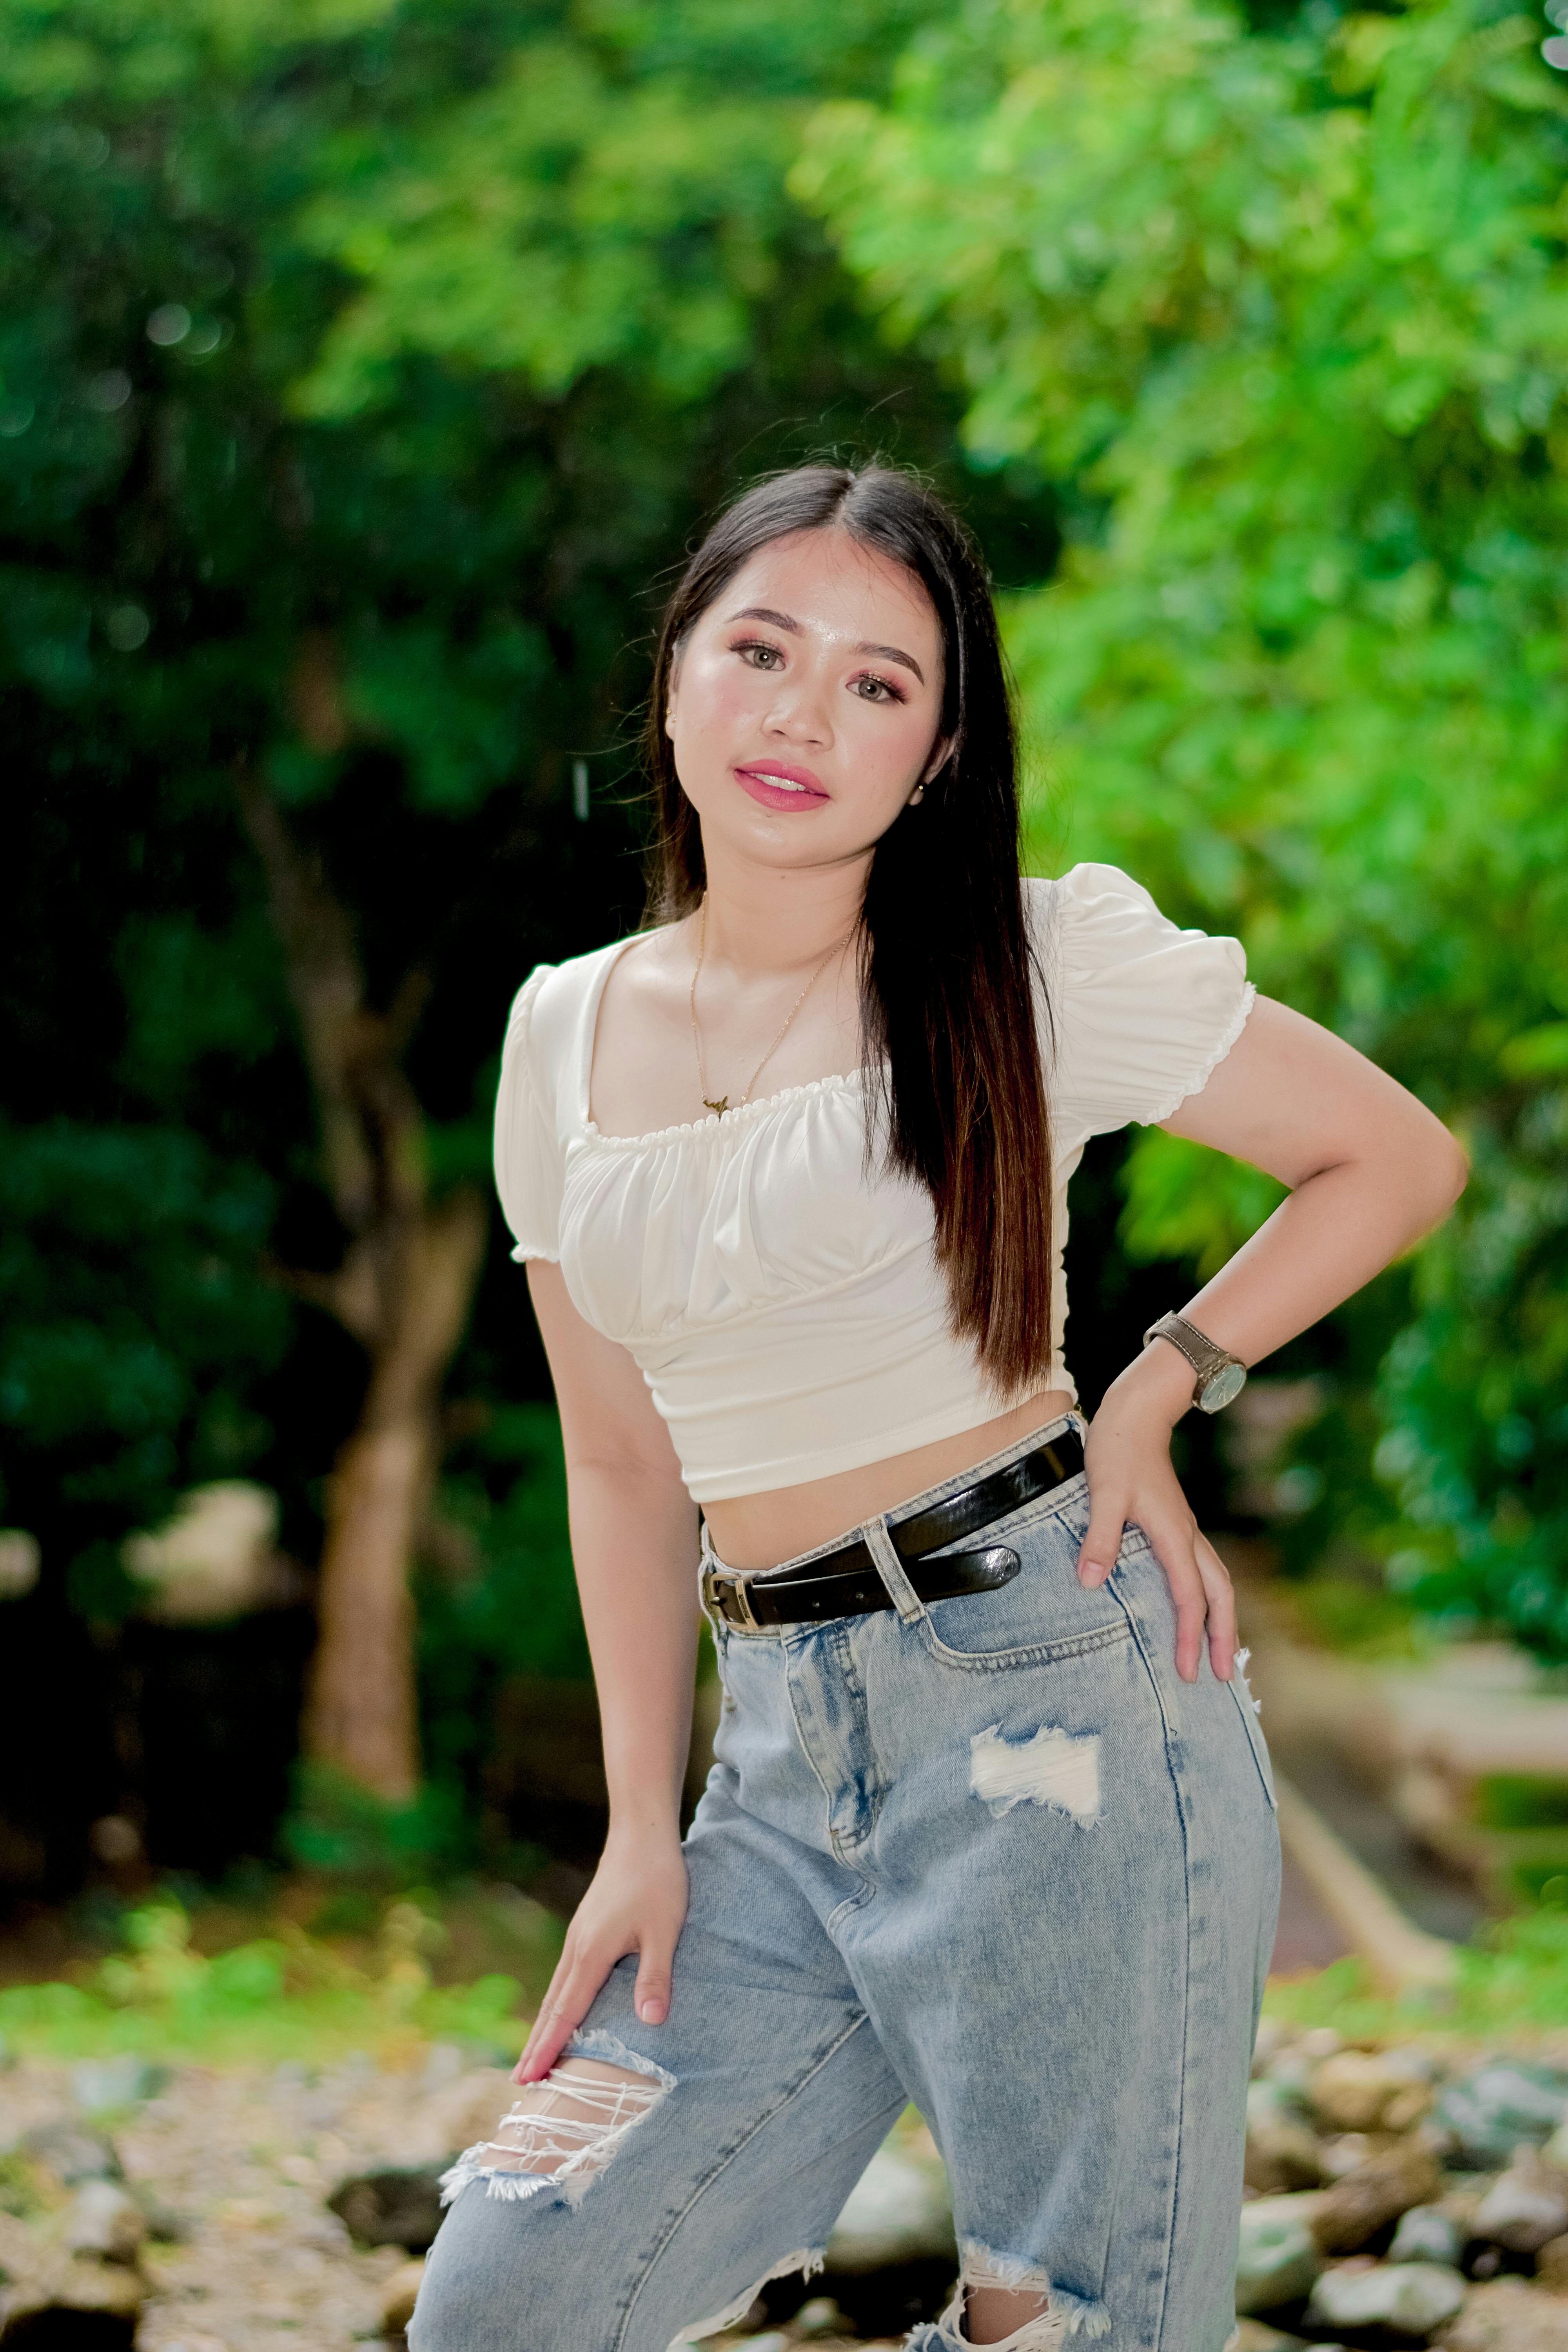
572 2121
1057 1768
1004 2319
564 2131
1003 2304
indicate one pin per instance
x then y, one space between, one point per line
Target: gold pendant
722 1105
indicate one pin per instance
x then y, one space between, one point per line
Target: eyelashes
888 689
749 646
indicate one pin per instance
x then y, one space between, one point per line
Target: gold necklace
720 1104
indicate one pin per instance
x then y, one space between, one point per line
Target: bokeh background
364 371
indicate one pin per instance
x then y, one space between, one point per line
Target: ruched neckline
732 1122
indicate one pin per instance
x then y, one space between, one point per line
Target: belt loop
708 1560
891 1569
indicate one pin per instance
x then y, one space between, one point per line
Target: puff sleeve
1143 1012
528 1156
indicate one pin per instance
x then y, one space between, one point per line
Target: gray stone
1412 2298
395 2208
73 2153
106 2220
1427 2234
1278 2258
1489 2113
1525 2205
99 2086
897 2211
1282 2150
1292 2075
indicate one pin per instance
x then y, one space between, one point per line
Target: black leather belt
845 1582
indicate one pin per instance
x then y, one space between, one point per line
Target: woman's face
804 705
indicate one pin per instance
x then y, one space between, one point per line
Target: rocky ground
1395 2196
1404 2195
189 2206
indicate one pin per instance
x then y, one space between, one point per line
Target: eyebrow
793 628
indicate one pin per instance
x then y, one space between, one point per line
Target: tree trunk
361 1714
403 1290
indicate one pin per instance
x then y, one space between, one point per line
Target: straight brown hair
951 1000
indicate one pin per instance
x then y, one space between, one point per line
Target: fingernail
652 2013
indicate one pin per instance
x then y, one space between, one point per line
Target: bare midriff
761 1530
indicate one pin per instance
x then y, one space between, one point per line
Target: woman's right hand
636 1903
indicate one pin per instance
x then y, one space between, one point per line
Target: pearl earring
917 795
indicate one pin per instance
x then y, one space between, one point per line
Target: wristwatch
1221 1377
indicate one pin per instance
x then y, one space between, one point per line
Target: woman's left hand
1127 1460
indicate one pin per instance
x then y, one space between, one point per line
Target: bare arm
633 1543
1370 1171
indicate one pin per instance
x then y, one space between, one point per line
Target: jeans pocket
1042 1615
1043 1653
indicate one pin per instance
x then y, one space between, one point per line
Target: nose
799 712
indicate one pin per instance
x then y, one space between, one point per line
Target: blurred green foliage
1279 304
363 367
365 1845
287 1996
131 1309
1510 1981
1521 1800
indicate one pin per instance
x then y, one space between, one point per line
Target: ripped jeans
989 1854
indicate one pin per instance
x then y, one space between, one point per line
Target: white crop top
785 1306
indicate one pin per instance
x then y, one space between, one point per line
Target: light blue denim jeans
990 1854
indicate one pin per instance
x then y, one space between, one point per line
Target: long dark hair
947 985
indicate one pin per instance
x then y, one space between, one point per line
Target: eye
872 688
758 653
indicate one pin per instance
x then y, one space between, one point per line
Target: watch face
1224 1388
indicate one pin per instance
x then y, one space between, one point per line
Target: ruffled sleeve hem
528 1155
1201 1076
1143 1010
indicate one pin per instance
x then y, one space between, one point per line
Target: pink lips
755 781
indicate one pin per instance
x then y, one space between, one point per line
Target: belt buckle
713 1579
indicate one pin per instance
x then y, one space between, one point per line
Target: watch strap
1206 1355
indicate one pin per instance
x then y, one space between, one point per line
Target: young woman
990 1826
